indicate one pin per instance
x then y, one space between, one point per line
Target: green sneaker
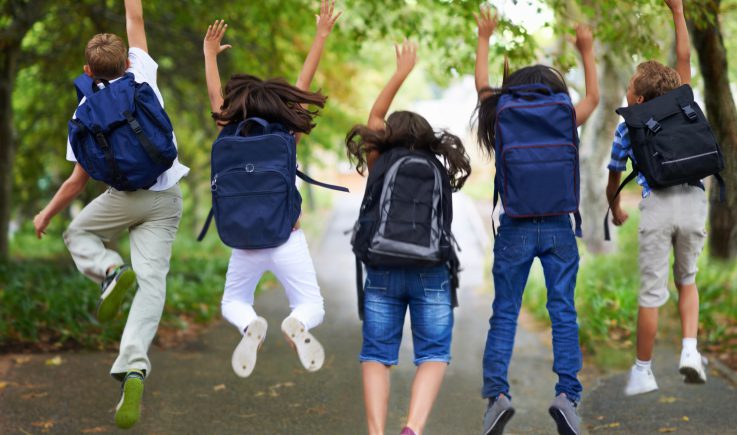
114 288
128 410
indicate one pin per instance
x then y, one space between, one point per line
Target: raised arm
73 186
406 57
325 22
212 48
134 25
486 20
683 45
585 46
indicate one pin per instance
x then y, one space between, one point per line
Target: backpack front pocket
252 209
540 180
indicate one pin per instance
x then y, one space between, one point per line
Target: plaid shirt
621 151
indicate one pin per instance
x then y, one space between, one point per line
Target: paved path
192 390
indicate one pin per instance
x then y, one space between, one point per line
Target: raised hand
406 57
487 20
215 33
675 5
584 38
326 20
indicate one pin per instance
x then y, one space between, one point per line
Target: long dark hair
486 108
274 100
410 130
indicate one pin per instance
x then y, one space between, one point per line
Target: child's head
106 57
410 130
535 74
274 100
651 80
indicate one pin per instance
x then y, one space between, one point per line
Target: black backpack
405 216
672 143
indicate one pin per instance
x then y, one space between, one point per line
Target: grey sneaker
497 415
564 413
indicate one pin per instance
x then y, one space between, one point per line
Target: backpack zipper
668 162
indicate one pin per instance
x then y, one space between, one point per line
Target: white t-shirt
144 69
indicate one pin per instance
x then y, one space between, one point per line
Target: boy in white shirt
150 215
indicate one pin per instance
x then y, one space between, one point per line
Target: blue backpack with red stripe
537 168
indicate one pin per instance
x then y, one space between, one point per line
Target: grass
606 300
45 303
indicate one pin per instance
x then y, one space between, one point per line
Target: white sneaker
244 355
692 367
640 382
309 350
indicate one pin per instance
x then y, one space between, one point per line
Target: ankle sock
643 365
689 344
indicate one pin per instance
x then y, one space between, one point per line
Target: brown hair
653 79
410 130
106 55
274 100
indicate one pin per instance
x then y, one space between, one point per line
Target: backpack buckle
689 112
653 126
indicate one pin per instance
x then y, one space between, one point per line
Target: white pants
292 265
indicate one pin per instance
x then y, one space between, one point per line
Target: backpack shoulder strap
629 178
206 227
359 287
310 180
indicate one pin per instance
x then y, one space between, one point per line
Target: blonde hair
106 55
653 79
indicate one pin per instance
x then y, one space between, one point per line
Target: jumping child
671 218
540 147
150 214
283 107
403 237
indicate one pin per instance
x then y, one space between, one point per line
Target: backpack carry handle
260 121
534 88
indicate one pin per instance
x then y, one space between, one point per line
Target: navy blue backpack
255 200
121 135
537 170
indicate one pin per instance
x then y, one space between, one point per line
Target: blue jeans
388 293
551 239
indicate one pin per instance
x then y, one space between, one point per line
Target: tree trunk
595 149
720 108
8 60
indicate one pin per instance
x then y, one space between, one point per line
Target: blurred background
45 304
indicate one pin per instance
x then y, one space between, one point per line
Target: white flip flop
310 351
244 355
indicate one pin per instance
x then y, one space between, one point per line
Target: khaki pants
152 219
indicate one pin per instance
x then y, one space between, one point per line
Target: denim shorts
388 293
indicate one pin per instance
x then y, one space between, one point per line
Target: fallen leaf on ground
667 399
259 394
319 410
3 384
667 429
685 418
219 387
55 361
45 425
98 429
615 424
21 359
33 395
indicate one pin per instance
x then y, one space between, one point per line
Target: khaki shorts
671 217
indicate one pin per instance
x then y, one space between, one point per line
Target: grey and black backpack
405 216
